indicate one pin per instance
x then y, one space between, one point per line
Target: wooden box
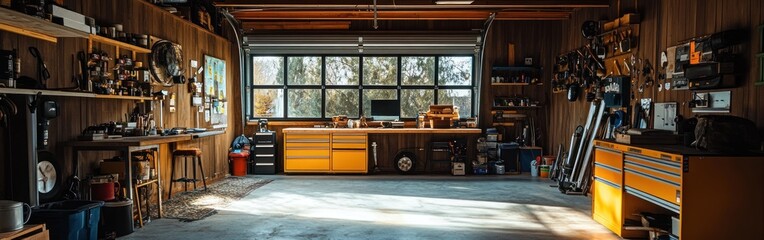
646 139
29 232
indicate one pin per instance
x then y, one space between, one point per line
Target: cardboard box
457 168
118 167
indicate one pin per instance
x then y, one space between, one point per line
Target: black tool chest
264 158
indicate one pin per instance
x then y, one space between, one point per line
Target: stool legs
172 176
199 161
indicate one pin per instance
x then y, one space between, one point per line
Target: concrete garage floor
393 207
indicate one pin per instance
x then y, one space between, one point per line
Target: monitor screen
385 110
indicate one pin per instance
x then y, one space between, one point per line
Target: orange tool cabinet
325 153
714 196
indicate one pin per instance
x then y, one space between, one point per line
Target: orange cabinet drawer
611 174
306 138
307 153
349 160
306 165
662 187
608 157
295 146
606 202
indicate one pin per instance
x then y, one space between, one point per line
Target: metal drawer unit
655 180
263 159
307 152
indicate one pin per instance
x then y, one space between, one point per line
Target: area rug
196 205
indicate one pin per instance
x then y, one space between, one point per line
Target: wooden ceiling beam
397 15
411 4
298 25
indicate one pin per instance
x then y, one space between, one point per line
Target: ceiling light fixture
454 2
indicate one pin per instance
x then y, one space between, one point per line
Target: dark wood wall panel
136 16
664 24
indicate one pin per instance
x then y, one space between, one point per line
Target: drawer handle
629 162
307 148
263 164
635 150
349 134
264 146
652 199
656 161
634 171
349 149
606 182
266 142
608 167
608 150
264 133
264 155
307 157
349 141
308 141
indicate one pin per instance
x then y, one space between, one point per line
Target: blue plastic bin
69 219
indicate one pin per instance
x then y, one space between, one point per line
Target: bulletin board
215 91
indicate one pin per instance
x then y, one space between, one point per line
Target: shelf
22 91
104 96
56 93
517 68
515 107
118 44
618 29
30 26
515 84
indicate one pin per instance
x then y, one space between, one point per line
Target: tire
43 156
404 162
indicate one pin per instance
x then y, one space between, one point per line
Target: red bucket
104 191
239 163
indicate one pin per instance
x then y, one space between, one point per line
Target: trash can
238 162
116 218
508 154
534 169
69 219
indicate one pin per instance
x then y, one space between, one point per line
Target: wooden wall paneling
666 23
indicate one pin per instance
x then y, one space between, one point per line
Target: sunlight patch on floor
416 211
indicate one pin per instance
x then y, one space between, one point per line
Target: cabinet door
349 160
607 203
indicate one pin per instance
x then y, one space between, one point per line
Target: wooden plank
37 25
27 32
397 15
385 130
412 4
118 44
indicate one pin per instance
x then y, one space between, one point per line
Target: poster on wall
215 90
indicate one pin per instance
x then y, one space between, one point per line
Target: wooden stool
196 155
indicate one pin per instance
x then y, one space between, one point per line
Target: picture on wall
215 90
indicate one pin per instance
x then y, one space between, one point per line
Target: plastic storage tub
69 219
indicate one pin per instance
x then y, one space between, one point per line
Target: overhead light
454 2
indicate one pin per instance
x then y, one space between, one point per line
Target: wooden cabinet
325 153
707 192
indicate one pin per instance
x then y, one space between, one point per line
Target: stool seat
196 160
187 152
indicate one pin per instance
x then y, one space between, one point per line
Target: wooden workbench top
133 141
386 130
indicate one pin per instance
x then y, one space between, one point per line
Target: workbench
342 150
127 146
711 195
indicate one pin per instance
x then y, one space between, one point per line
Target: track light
454 2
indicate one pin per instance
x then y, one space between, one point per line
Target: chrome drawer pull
606 182
264 155
307 157
263 133
666 163
264 146
608 150
637 172
652 199
264 164
631 162
608 167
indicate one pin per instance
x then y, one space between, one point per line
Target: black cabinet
263 159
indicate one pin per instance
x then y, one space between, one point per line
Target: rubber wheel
405 162
57 181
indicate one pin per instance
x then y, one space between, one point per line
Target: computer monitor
385 110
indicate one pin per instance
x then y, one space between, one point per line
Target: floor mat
196 205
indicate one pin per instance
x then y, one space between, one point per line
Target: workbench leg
159 182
